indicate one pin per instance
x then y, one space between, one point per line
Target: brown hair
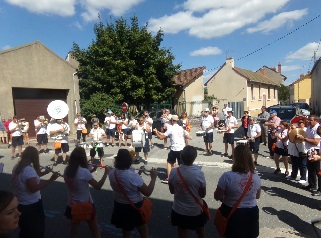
243 162
5 199
29 156
285 124
78 158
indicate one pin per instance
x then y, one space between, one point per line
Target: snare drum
83 145
138 138
242 142
97 143
200 133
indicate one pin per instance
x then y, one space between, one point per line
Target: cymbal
294 133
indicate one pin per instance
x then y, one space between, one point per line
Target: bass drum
138 138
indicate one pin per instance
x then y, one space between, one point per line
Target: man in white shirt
80 123
41 130
60 130
177 137
112 128
207 125
254 134
230 124
150 121
225 109
17 139
97 135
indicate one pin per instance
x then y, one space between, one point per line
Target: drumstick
146 170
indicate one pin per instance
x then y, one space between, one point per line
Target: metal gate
238 109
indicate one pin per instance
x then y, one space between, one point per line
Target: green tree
283 94
127 63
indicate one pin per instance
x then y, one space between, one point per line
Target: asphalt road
285 209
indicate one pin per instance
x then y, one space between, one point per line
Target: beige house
31 76
315 102
271 73
189 91
300 90
248 90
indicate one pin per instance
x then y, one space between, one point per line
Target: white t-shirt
130 181
79 189
23 194
56 126
281 144
97 133
82 123
184 203
112 125
123 123
312 133
230 122
42 129
17 131
150 121
206 123
176 134
233 184
132 123
253 130
107 120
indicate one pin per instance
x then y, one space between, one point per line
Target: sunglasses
95 125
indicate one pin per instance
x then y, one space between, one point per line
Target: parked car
285 113
301 105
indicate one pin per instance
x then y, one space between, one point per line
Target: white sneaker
289 177
303 182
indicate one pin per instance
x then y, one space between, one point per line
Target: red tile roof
186 76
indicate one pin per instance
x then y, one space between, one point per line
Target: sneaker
9 145
64 162
286 173
165 148
303 182
278 170
13 157
152 146
136 161
316 193
165 181
290 177
231 156
225 154
54 164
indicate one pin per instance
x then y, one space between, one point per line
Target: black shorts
228 138
125 216
150 135
146 148
112 132
188 222
281 151
255 145
17 141
174 156
125 131
64 148
100 151
42 139
208 137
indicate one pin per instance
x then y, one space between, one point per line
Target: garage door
30 103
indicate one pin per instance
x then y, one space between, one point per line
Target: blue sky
198 32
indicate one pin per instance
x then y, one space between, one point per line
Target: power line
271 43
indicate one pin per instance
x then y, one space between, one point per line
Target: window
252 94
269 93
274 90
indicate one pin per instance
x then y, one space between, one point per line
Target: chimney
279 68
301 76
262 70
230 61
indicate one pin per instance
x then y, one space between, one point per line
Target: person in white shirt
230 124
112 127
25 130
107 123
207 125
149 121
131 126
80 122
225 110
60 130
41 130
166 119
282 147
142 126
177 137
97 135
17 139
186 213
78 178
27 185
254 134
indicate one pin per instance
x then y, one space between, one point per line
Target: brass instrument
58 109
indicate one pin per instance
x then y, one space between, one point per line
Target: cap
206 109
109 111
229 109
273 112
174 118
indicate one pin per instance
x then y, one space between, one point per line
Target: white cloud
56 7
77 25
220 17
116 8
278 21
210 50
304 53
287 68
6 47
